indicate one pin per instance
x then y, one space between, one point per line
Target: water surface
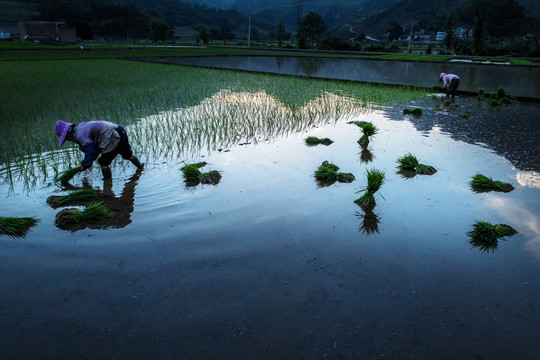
267 265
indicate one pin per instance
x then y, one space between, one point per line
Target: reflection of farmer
120 207
450 84
98 137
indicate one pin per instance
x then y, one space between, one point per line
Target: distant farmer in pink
450 84
95 138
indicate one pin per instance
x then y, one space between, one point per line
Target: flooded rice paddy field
269 265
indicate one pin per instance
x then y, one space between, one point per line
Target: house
441 35
47 32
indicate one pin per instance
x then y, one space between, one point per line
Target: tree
449 25
282 34
479 32
394 31
159 30
226 33
311 30
204 35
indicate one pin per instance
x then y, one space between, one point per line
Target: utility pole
298 16
410 37
249 26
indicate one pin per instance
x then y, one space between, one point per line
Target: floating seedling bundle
375 179
193 176
91 213
328 173
16 226
486 236
79 196
409 162
313 140
368 130
482 183
65 176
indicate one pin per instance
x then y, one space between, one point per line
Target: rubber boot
106 171
135 161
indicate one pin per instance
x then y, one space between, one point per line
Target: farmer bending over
98 137
450 84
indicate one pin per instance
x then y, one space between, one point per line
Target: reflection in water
120 207
530 179
228 118
484 246
511 132
369 222
311 66
366 156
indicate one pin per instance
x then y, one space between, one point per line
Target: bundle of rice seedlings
77 196
65 176
16 226
191 173
92 212
486 235
375 179
417 112
501 93
481 94
313 140
465 114
193 176
410 162
327 172
481 182
368 130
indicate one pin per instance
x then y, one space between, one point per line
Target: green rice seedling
481 182
375 179
313 140
198 165
16 226
501 93
486 236
77 196
466 114
416 112
360 124
345 177
212 177
191 173
327 172
410 162
481 94
92 212
65 176
368 130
